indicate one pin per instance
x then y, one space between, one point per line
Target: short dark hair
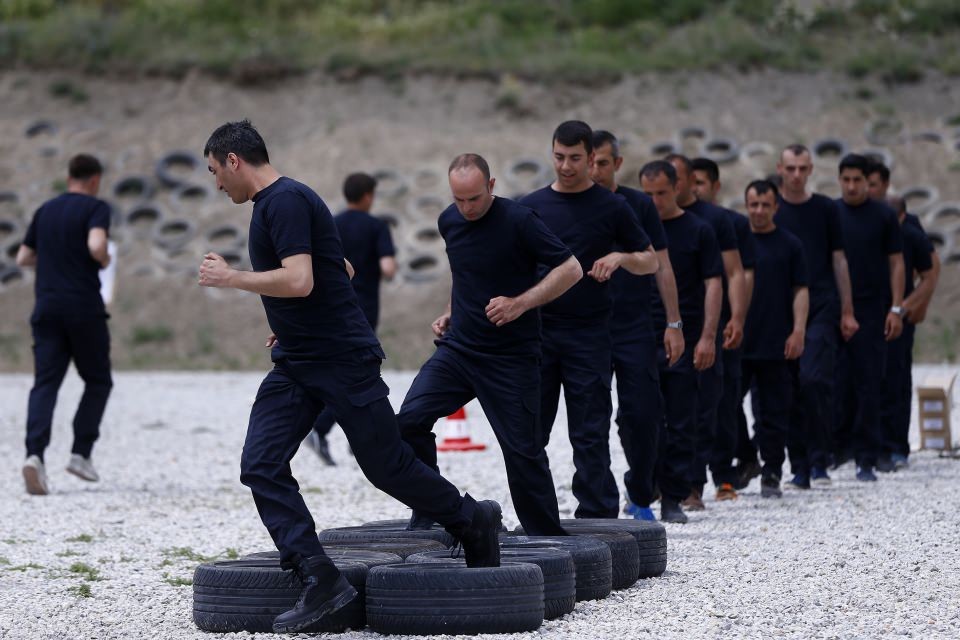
776 179
573 132
602 137
897 203
651 170
706 165
856 161
358 185
240 138
796 149
467 160
84 166
682 159
762 187
882 169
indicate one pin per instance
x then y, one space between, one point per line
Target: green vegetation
252 41
142 335
177 582
82 590
84 570
83 537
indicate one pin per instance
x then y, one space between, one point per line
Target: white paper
109 275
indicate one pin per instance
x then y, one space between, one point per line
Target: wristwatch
897 310
675 325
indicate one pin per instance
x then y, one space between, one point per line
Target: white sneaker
35 476
82 468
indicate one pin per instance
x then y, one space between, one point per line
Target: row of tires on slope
410 582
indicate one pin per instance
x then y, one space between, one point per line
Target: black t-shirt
695 257
289 218
497 255
631 294
67 275
816 223
365 240
917 254
780 267
871 233
591 223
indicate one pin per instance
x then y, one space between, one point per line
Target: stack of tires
417 583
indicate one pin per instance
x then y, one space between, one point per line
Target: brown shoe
694 502
726 492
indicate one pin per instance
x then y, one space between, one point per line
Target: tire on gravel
720 150
403 547
624 554
379 532
440 598
592 558
247 595
651 539
556 565
369 558
175 168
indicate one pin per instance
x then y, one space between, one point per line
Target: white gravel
852 561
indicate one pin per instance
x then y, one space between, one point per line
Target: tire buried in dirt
592 558
559 574
440 598
247 595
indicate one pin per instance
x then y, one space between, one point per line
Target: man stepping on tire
775 330
324 354
697 266
488 339
640 410
604 235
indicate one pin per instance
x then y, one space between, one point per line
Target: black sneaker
319 445
745 473
322 595
670 511
770 487
419 522
885 465
481 540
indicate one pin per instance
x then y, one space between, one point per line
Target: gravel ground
114 559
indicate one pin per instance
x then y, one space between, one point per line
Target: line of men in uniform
804 303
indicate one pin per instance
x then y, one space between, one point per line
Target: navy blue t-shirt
780 268
365 240
917 254
695 257
497 255
68 277
816 223
289 219
591 223
871 233
631 294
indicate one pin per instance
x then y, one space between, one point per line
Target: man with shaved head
488 339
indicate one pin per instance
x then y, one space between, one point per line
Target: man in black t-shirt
874 248
67 243
640 404
324 354
367 245
706 186
594 223
775 330
698 268
710 389
488 340
814 219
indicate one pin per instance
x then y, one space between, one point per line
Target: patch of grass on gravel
68 553
231 554
187 554
177 582
83 537
82 590
25 567
86 571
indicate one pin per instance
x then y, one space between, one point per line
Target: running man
324 354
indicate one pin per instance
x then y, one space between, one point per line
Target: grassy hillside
251 40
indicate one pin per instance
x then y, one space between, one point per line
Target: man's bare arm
26 256
667 286
711 308
897 282
294 279
388 267
502 309
97 245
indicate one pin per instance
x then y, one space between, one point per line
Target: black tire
369 558
9 228
592 558
10 276
943 214
624 556
425 237
142 219
390 184
225 236
884 131
186 197
247 595
651 538
427 599
172 235
422 267
920 198
403 547
693 132
402 523
720 150
135 188
556 565
427 208
528 173
663 148
170 168
376 534
879 154
379 532
829 149
41 127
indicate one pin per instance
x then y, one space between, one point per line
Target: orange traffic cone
457 437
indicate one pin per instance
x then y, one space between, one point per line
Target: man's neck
672 215
796 197
262 177
687 202
764 231
578 188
